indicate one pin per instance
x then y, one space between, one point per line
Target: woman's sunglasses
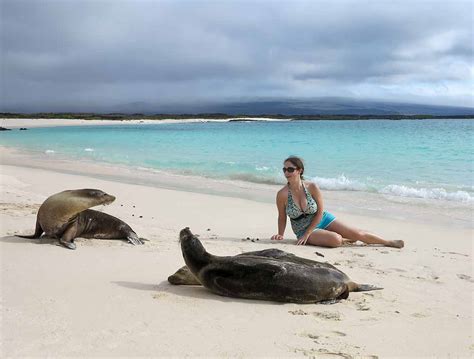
288 169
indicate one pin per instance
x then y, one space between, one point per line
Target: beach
109 298
16 123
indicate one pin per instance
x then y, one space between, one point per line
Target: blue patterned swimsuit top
300 220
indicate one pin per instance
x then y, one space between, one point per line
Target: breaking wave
427 193
342 183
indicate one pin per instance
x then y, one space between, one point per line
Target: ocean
425 159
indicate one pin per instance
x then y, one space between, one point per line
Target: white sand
14 123
109 298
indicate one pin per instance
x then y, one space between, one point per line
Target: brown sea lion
267 275
183 276
66 215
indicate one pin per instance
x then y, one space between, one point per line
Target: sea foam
427 193
341 183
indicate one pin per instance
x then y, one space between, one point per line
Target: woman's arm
317 196
281 205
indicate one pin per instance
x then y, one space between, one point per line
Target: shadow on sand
137 286
41 240
190 291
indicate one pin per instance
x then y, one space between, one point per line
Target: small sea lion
66 215
272 275
183 276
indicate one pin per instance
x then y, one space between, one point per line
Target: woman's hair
297 162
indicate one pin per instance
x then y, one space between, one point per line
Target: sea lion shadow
42 240
135 285
202 293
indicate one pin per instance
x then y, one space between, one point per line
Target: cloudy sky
71 53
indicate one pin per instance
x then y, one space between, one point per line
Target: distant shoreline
222 116
13 123
25 123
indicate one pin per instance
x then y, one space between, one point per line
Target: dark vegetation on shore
139 116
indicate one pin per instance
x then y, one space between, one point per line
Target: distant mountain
321 106
280 106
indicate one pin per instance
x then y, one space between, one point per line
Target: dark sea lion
183 276
66 215
267 275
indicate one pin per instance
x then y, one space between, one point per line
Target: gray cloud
112 52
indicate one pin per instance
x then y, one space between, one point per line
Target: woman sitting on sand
303 203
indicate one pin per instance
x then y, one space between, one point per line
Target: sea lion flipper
133 239
70 245
366 288
68 236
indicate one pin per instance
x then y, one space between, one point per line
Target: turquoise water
420 159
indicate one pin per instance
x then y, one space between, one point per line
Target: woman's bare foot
348 242
395 244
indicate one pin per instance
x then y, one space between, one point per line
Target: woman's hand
302 240
277 237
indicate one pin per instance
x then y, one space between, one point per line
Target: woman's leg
325 238
351 234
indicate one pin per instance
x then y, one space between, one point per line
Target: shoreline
16 123
377 205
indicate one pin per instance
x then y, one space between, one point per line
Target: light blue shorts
327 219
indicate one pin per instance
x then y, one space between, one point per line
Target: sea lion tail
365 288
38 232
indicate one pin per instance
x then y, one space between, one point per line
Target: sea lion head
184 234
183 276
91 197
195 256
